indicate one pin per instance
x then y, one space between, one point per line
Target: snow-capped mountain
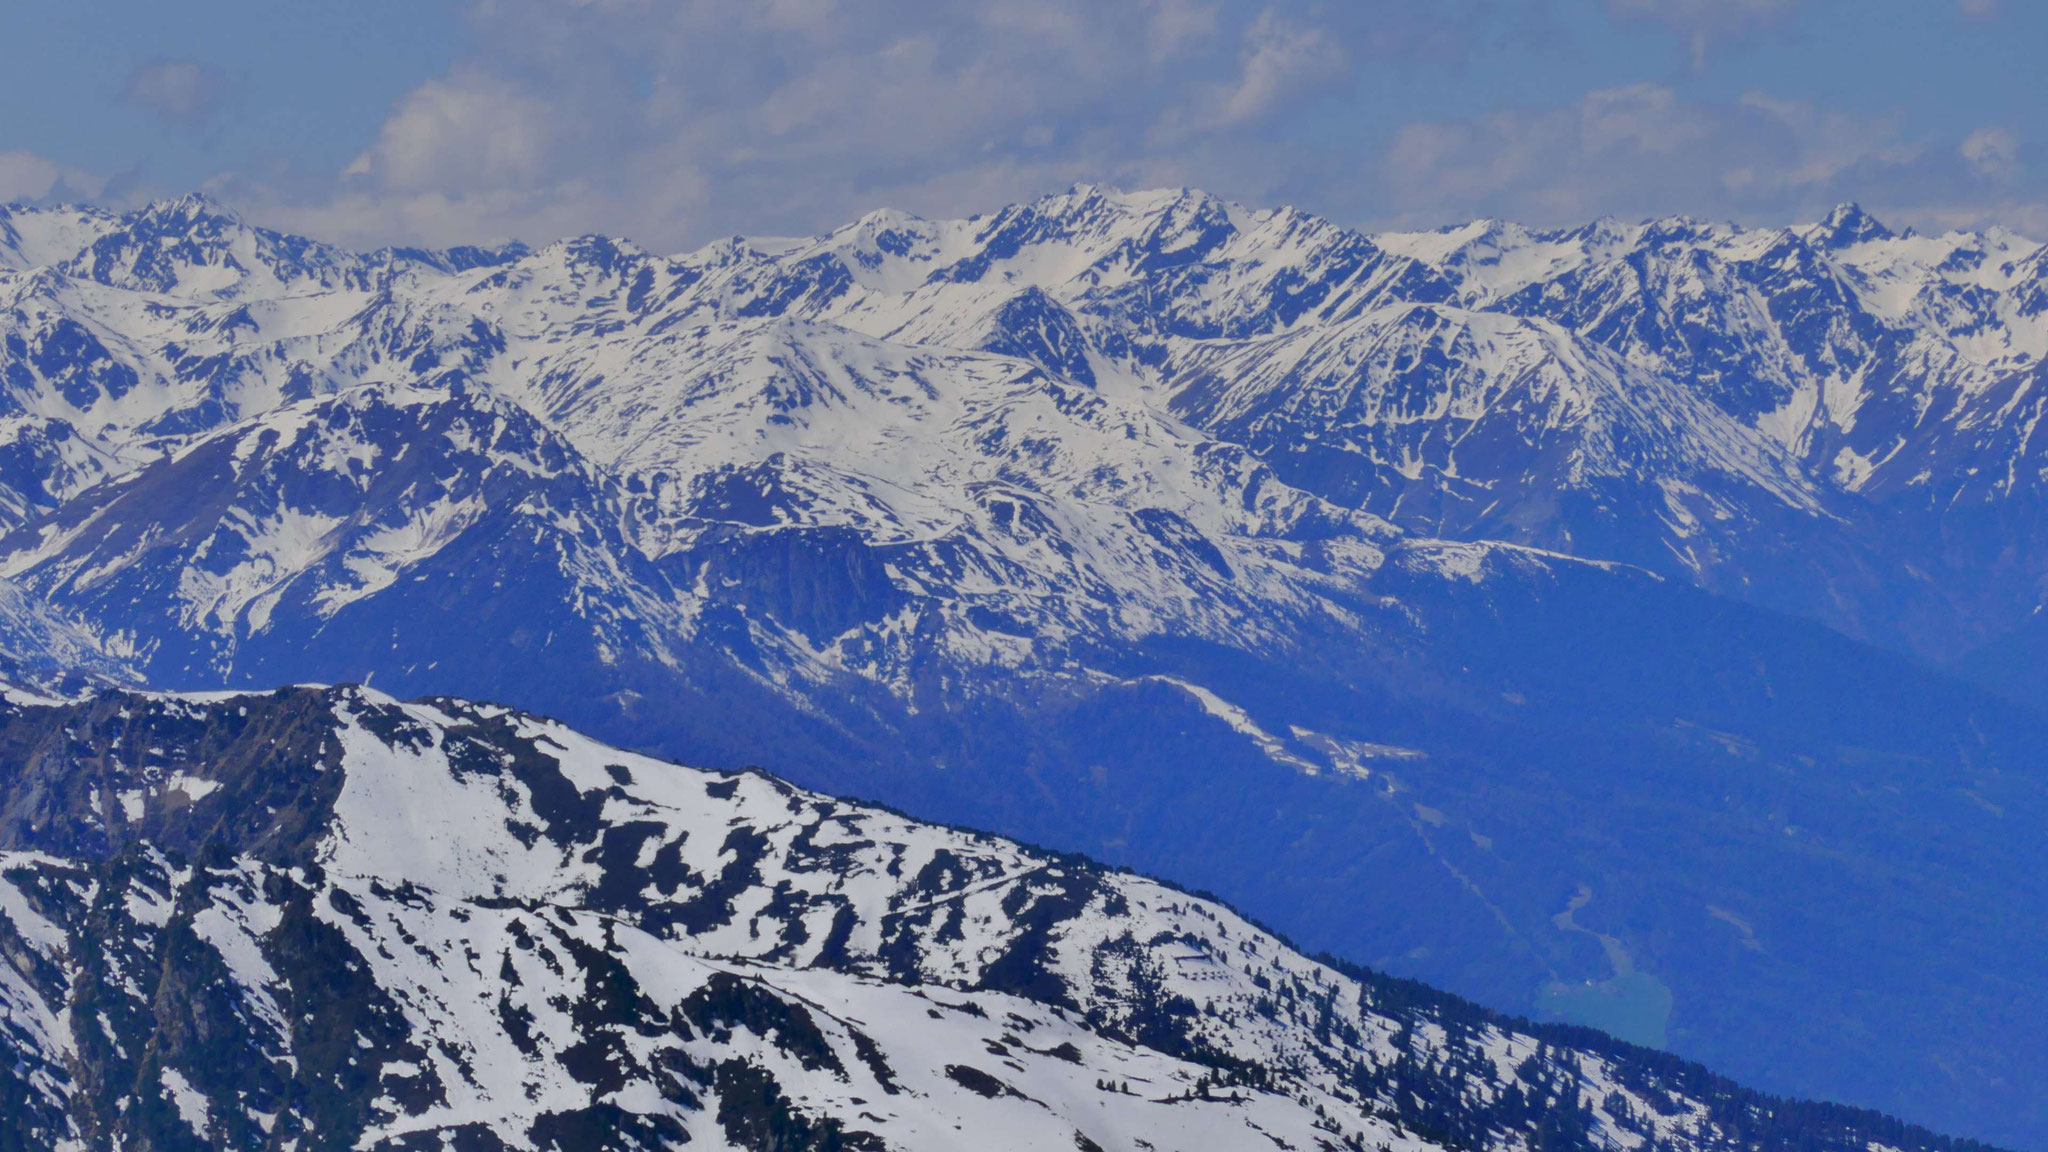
1891 372
1717 403
320 918
1350 576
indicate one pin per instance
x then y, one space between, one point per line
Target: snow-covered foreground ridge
322 918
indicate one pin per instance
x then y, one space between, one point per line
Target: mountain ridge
253 850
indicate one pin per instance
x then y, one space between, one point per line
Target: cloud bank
666 120
184 93
677 121
1638 150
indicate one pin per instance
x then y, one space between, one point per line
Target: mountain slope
321 918
329 519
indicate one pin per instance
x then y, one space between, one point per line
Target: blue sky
678 121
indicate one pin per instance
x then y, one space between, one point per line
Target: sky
678 122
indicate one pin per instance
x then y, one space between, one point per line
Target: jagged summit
190 209
1849 224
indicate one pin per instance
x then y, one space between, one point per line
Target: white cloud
1643 150
467 131
1279 58
27 176
1179 24
1703 24
679 120
179 92
1991 152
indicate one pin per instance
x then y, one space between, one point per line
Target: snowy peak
1849 225
192 247
306 515
1033 326
196 248
36 237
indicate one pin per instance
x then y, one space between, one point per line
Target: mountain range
1634 625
